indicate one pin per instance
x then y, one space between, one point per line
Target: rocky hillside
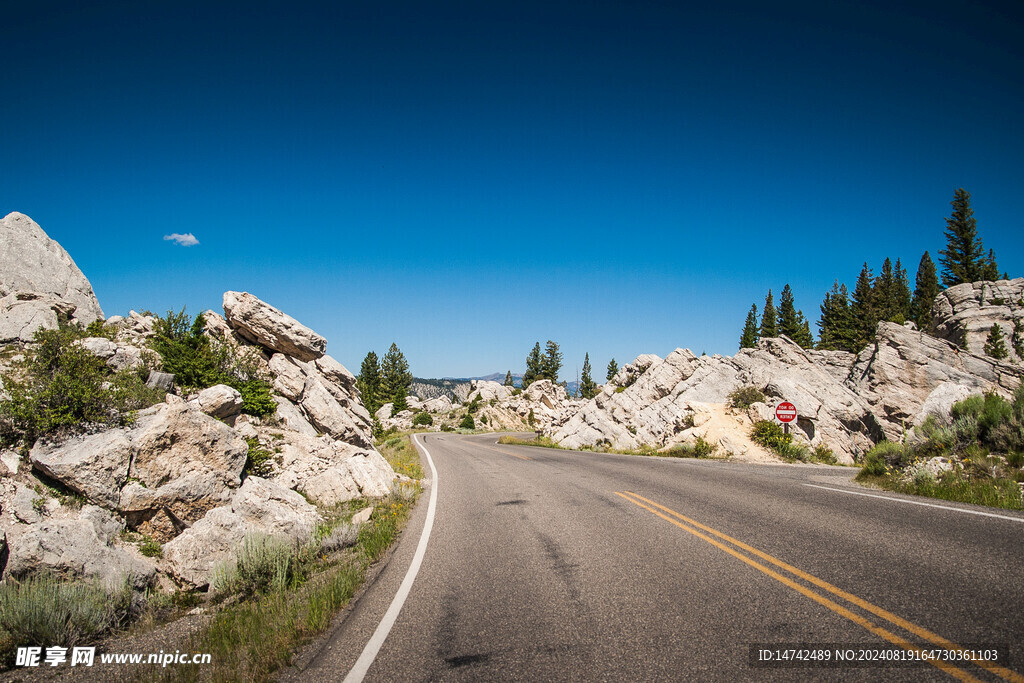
845 402
192 474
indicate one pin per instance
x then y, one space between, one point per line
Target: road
553 565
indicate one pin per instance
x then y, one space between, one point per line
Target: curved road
553 565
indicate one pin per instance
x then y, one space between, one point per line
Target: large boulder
964 314
259 506
220 401
96 465
81 547
261 323
486 390
117 355
184 463
31 262
23 313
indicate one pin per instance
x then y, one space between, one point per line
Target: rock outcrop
38 282
907 374
262 324
964 314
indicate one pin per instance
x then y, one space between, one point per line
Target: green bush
823 453
772 436
891 454
62 388
467 423
259 460
47 611
423 419
744 397
187 351
256 396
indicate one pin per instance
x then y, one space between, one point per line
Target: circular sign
785 412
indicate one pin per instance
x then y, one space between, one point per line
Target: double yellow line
734 546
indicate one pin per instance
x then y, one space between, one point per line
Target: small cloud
186 240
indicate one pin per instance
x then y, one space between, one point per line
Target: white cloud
186 240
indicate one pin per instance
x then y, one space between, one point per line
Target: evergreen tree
748 339
368 383
926 288
613 369
805 339
588 387
863 310
789 325
963 258
902 293
891 295
395 378
995 344
836 323
534 366
1018 338
509 382
552 361
769 318
989 270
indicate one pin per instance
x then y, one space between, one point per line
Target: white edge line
369 654
917 502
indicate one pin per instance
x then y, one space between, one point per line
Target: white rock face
656 402
292 418
117 355
220 401
23 313
32 262
261 323
96 465
966 313
259 506
330 471
442 404
898 374
73 547
486 390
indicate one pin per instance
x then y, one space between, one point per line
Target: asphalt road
553 565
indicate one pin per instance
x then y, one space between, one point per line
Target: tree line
848 321
547 363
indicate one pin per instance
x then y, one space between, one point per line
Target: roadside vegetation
698 449
977 456
60 388
773 437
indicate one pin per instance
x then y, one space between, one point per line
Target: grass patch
400 452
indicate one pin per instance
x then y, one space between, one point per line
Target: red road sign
785 412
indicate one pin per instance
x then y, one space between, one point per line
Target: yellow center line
835 607
924 633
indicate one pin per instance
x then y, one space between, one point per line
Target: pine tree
613 369
995 344
769 318
534 366
509 382
963 258
588 388
789 324
1017 338
902 294
395 378
748 339
989 270
926 288
863 310
368 383
805 338
552 361
836 322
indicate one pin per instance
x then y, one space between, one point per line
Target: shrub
823 453
772 436
744 397
531 419
467 423
187 351
423 419
256 396
702 448
63 388
342 536
47 611
264 564
474 405
259 460
887 454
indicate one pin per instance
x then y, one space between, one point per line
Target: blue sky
468 178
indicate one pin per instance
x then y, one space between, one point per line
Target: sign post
785 413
